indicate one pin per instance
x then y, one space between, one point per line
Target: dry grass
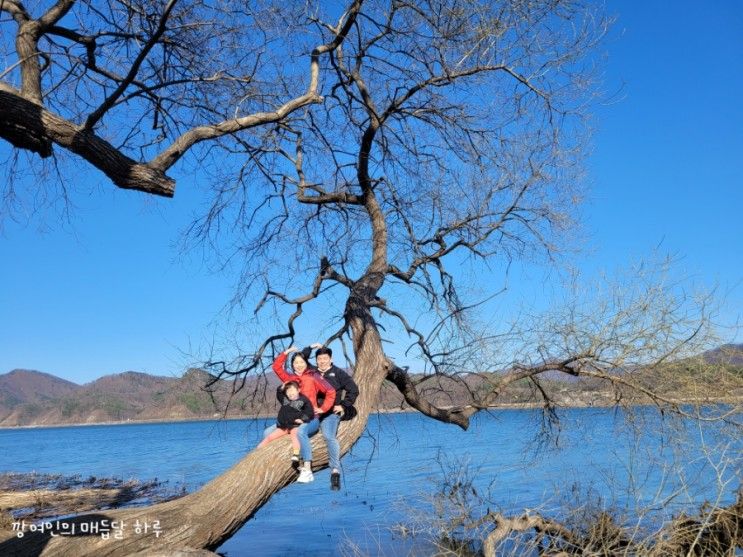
38 496
43 503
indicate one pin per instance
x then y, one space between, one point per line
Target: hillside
728 354
31 389
35 398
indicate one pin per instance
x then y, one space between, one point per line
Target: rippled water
396 464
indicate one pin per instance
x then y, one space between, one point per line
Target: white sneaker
305 476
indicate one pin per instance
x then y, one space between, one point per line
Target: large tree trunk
210 516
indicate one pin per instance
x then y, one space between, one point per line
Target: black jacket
292 410
346 390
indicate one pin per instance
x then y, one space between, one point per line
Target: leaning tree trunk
210 516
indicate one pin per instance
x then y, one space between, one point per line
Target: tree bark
28 125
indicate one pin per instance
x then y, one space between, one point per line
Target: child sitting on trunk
295 410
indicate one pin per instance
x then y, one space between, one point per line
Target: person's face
324 361
292 393
299 365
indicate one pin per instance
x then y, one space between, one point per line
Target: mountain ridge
35 398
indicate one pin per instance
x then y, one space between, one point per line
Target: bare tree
443 134
465 523
103 80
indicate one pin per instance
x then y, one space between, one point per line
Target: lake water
400 461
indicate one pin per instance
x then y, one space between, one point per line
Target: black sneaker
335 481
295 462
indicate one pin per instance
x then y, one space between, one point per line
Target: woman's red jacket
310 383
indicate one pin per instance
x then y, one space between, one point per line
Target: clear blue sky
111 292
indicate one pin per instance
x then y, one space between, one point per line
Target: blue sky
110 291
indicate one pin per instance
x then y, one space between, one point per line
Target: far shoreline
505 406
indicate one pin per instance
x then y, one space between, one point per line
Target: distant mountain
35 398
731 354
28 387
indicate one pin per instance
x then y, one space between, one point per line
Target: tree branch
55 13
27 124
98 113
400 378
169 156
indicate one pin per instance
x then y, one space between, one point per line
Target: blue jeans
304 432
329 428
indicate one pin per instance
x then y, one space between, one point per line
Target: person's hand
338 409
298 421
291 349
317 410
316 345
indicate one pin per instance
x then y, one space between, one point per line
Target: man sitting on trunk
346 392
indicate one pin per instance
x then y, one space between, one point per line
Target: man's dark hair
324 350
